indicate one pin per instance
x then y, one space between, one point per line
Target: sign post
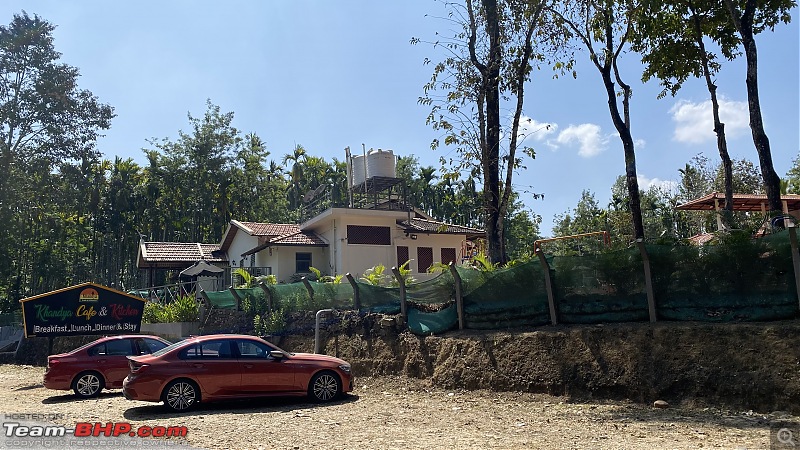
84 309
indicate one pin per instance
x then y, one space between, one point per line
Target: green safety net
423 323
221 299
608 287
290 297
333 295
253 299
378 298
734 278
510 297
439 289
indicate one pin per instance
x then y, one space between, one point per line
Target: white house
345 240
375 225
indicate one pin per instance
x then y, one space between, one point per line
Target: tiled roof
741 202
270 229
303 238
433 226
177 254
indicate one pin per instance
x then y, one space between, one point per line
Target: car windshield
168 348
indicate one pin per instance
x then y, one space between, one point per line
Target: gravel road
403 413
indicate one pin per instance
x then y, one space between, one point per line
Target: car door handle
248 366
101 361
197 365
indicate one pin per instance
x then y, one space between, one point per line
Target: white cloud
530 128
694 122
646 183
587 135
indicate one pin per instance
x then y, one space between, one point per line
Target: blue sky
329 75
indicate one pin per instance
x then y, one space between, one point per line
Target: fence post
795 256
548 284
267 293
402 283
356 296
308 288
648 280
459 298
236 297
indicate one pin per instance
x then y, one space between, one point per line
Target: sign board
87 308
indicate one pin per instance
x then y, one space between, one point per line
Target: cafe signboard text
87 308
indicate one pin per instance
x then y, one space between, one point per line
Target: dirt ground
407 413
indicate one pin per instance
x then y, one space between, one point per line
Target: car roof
128 336
208 337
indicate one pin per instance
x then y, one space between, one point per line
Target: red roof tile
177 254
270 229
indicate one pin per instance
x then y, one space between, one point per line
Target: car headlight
345 368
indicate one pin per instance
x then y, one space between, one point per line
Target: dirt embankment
745 366
753 366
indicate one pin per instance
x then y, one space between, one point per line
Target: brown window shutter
424 259
360 234
448 255
402 255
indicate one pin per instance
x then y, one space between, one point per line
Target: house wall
435 241
355 259
241 243
284 258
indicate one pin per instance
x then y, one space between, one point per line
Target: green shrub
184 309
269 323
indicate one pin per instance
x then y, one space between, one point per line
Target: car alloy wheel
180 395
325 387
88 384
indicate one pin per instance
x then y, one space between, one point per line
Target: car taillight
51 362
136 366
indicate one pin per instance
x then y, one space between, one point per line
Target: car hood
317 357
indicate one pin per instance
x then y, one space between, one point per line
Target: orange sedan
225 366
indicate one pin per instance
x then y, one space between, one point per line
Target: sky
329 75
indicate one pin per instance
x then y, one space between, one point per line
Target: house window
360 234
448 255
402 255
424 259
302 262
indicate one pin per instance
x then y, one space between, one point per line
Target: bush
184 309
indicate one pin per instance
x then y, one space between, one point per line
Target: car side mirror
277 354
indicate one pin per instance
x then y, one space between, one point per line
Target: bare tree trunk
719 127
744 25
630 155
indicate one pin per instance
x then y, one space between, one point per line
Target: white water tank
359 169
380 163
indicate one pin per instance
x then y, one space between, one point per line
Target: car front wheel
181 395
324 387
88 384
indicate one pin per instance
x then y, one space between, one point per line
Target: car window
97 349
147 345
119 347
209 350
253 349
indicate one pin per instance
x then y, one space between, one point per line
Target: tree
490 60
670 37
750 18
46 124
793 177
609 24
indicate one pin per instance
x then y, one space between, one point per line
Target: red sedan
99 364
224 366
